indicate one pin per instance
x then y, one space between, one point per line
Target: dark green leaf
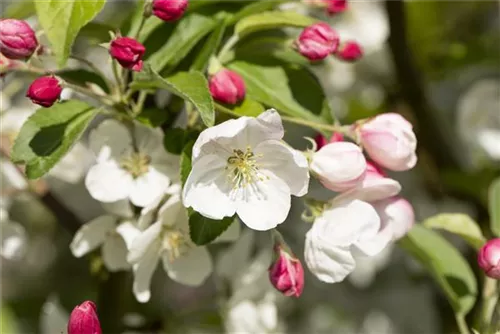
459 224
62 20
82 77
96 33
255 8
174 140
191 86
211 45
49 134
204 230
446 264
494 206
153 117
187 33
271 20
185 162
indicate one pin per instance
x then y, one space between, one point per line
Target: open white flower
114 238
168 239
341 233
130 164
13 236
241 166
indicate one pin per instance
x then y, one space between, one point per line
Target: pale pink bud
389 140
396 215
17 39
44 91
349 51
339 166
488 258
335 6
128 53
227 87
84 320
169 10
317 41
286 273
321 140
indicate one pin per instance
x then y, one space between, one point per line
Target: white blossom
130 164
241 166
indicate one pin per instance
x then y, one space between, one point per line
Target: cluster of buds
489 258
84 320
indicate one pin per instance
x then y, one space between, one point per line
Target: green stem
118 78
141 25
490 298
462 325
231 42
140 102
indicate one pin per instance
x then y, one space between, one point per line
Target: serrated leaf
49 134
494 206
62 20
446 265
185 161
271 20
190 30
191 86
459 224
203 230
213 42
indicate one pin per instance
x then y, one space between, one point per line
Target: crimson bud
317 41
489 258
350 51
84 320
44 91
335 6
17 39
128 52
169 10
286 273
227 87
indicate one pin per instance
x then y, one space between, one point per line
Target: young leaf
191 86
271 20
255 8
19 9
62 20
82 77
187 33
49 134
446 264
213 42
494 206
203 230
459 224
248 107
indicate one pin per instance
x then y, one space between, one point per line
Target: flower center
176 243
243 168
136 164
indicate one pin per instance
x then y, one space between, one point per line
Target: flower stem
490 298
462 325
231 42
140 102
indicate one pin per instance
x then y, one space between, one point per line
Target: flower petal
114 253
207 188
288 164
13 240
91 235
107 182
148 187
143 242
191 268
173 213
110 140
143 272
128 232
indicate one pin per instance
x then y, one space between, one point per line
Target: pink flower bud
397 216
17 39
339 166
84 320
489 258
128 52
169 10
336 137
349 51
321 140
390 141
227 87
317 41
286 273
44 91
335 6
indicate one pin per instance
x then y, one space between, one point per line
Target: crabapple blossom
45 91
128 52
317 41
344 231
389 140
17 39
241 166
130 164
396 215
349 51
321 141
84 319
339 166
489 258
227 86
286 273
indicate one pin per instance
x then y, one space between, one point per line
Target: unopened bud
335 6
84 320
317 41
45 91
128 52
17 39
489 258
227 87
286 273
349 51
169 10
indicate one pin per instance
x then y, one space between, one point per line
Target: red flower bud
169 10
286 273
350 51
335 6
84 320
227 87
489 258
44 91
17 39
321 140
128 52
317 41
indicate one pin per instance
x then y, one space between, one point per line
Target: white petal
231 234
375 245
143 242
243 318
173 212
264 204
207 188
114 253
143 272
148 140
121 208
110 140
148 213
128 232
268 314
13 237
288 164
107 182
192 268
371 189
148 187
91 235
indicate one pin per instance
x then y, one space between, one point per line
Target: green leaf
62 20
96 33
19 10
248 107
82 77
191 86
459 224
290 90
255 8
49 134
185 161
494 206
203 230
213 42
174 140
446 265
271 20
187 33
153 117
